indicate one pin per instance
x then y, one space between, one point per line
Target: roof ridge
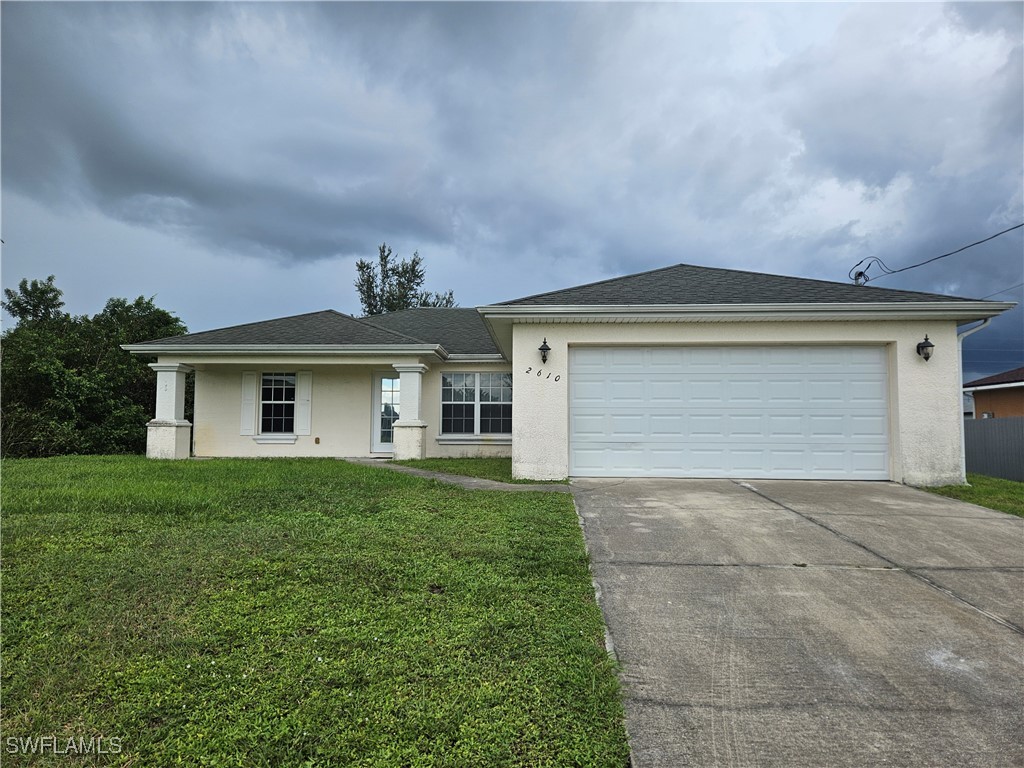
365 321
723 269
598 282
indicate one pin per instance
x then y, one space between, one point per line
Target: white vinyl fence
995 447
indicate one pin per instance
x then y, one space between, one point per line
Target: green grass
992 492
489 469
298 613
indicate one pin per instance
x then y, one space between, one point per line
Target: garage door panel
585 391
666 425
629 425
813 412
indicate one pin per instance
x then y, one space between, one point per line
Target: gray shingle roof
457 329
687 284
326 327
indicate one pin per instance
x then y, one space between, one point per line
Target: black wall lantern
544 349
924 348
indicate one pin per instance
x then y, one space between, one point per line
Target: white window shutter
249 386
303 401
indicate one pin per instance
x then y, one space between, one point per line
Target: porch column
410 429
168 435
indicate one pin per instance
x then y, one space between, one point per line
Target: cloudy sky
235 160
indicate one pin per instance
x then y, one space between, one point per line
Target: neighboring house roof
999 380
688 284
460 331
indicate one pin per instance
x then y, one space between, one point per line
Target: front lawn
297 612
489 469
991 492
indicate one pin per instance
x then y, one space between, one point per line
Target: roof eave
324 350
499 317
952 310
985 387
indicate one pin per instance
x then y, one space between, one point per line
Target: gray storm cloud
585 140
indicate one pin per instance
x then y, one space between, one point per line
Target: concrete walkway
472 483
782 623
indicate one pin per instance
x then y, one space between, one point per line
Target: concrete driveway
785 623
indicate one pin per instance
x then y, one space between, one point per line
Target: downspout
960 360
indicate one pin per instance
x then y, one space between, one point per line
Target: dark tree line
67 386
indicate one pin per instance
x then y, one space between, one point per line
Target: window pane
495 419
457 419
277 402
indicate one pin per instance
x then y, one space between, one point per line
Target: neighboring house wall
342 414
999 402
925 407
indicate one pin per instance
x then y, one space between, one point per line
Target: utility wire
860 277
1005 290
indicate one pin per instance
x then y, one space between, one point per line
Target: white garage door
743 412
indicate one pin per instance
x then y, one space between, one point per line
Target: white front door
747 412
386 403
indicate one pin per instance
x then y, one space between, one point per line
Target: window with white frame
276 406
277 403
476 403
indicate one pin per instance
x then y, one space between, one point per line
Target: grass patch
992 492
298 612
499 469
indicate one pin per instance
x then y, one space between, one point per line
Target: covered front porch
291 407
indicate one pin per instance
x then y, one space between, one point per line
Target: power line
1005 290
860 277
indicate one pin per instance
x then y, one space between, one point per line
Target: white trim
303 402
499 319
488 439
985 387
497 357
342 350
170 367
250 389
948 310
275 437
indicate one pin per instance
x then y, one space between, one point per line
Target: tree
68 387
390 286
35 301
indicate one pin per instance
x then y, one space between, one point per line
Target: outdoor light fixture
544 349
924 348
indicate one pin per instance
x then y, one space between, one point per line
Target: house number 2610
540 374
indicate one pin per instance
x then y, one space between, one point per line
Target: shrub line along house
684 371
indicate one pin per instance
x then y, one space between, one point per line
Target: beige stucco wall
342 414
924 397
431 413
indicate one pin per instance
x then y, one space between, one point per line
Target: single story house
998 396
684 371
